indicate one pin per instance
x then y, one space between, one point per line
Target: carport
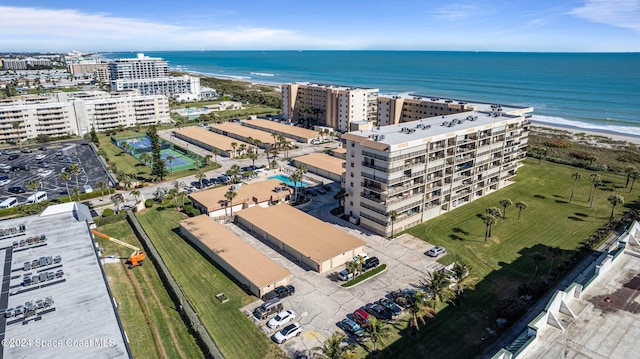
323 165
252 269
310 241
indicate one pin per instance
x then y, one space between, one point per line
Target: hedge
365 275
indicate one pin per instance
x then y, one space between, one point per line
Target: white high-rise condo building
328 105
150 76
423 168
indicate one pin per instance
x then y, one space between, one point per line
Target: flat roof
340 150
607 317
304 233
244 131
333 86
82 314
281 127
213 139
213 199
247 260
324 162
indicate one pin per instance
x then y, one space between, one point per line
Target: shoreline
573 130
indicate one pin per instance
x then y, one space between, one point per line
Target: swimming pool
288 182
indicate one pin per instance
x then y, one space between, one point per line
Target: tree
135 193
66 177
199 176
295 178
233 147
594 185
207 159
537 259
521 206
317 112
125 147
275 139
173 193
16 127
253 156
145 157
614 199
76 192
233 172
158 169
576 177
94 136
33 185
101 186
341 195
333 347
418 309
462 278
170 160
539 153
634 176
351 267
216 152
438 285
594 178
377 331
505 203
489 221
229 196
554 252
74 169
393 215
629 170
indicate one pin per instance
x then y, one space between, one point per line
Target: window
351 203
350 184
351 164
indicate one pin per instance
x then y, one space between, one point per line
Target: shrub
190 210
108 212
557 143
111 219
149 203
581 155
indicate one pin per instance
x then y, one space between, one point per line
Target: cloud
38 29
455 11
619 13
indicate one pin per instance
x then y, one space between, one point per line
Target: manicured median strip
369 274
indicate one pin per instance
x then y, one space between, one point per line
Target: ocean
597 91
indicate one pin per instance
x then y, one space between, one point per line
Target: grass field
200 280
154 328
505 261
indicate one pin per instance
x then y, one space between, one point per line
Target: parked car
268 308
351 327
370 263
43 164
6 152
42 148
345 275
326 187
281 319
118 197
391 306
378 311
45 173
127 207
361 317
436 251
320 190
363 255
4 180
280 292
206 182
290 331
312 192
26 150
16 189
40 157
4 168
13 157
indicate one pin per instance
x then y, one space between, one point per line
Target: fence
187 312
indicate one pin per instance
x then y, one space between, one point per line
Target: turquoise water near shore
599 91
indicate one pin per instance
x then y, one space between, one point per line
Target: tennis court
140 145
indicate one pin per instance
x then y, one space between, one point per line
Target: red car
361 317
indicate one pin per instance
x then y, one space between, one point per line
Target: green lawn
153 326
505 261
233 332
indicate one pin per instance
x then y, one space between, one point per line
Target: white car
5 182
282 318
40 157
290 331
45 173
436 251
360 256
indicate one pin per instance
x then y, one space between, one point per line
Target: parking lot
57 157
320 302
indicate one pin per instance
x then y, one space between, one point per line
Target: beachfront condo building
75 113
421 169
150 76
400 109
328 105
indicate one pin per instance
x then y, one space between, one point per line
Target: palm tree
267 152
76 192
16 126
393 215
594 178
462 278
275 139
332 348
199 176
537 258
249 140
520 206
135 193
505 203
418 309
170 160
351 267
182 195
438 284
295 178
614 199
229 196
629 170
145 157
253 156
66 177
125 147
489 221
233 146
207 160
216 152
340 196
596 183
173 193
33 185
554 252
101 186
377 331
576 177
634 176
74 169
242 147
234 171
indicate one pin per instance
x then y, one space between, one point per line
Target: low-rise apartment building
424 168
329 105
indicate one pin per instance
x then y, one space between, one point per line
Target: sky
483 25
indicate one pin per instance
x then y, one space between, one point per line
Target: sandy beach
590 132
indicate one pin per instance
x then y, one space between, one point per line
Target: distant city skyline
485 25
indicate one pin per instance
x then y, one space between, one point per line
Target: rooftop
248 261
244 131
213 199
333 86
82 321
280 127
324 162
210 138
306 234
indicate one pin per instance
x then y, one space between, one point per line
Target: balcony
377 168
401 198
406 166
406 177
371 197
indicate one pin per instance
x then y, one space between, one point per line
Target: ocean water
584 90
